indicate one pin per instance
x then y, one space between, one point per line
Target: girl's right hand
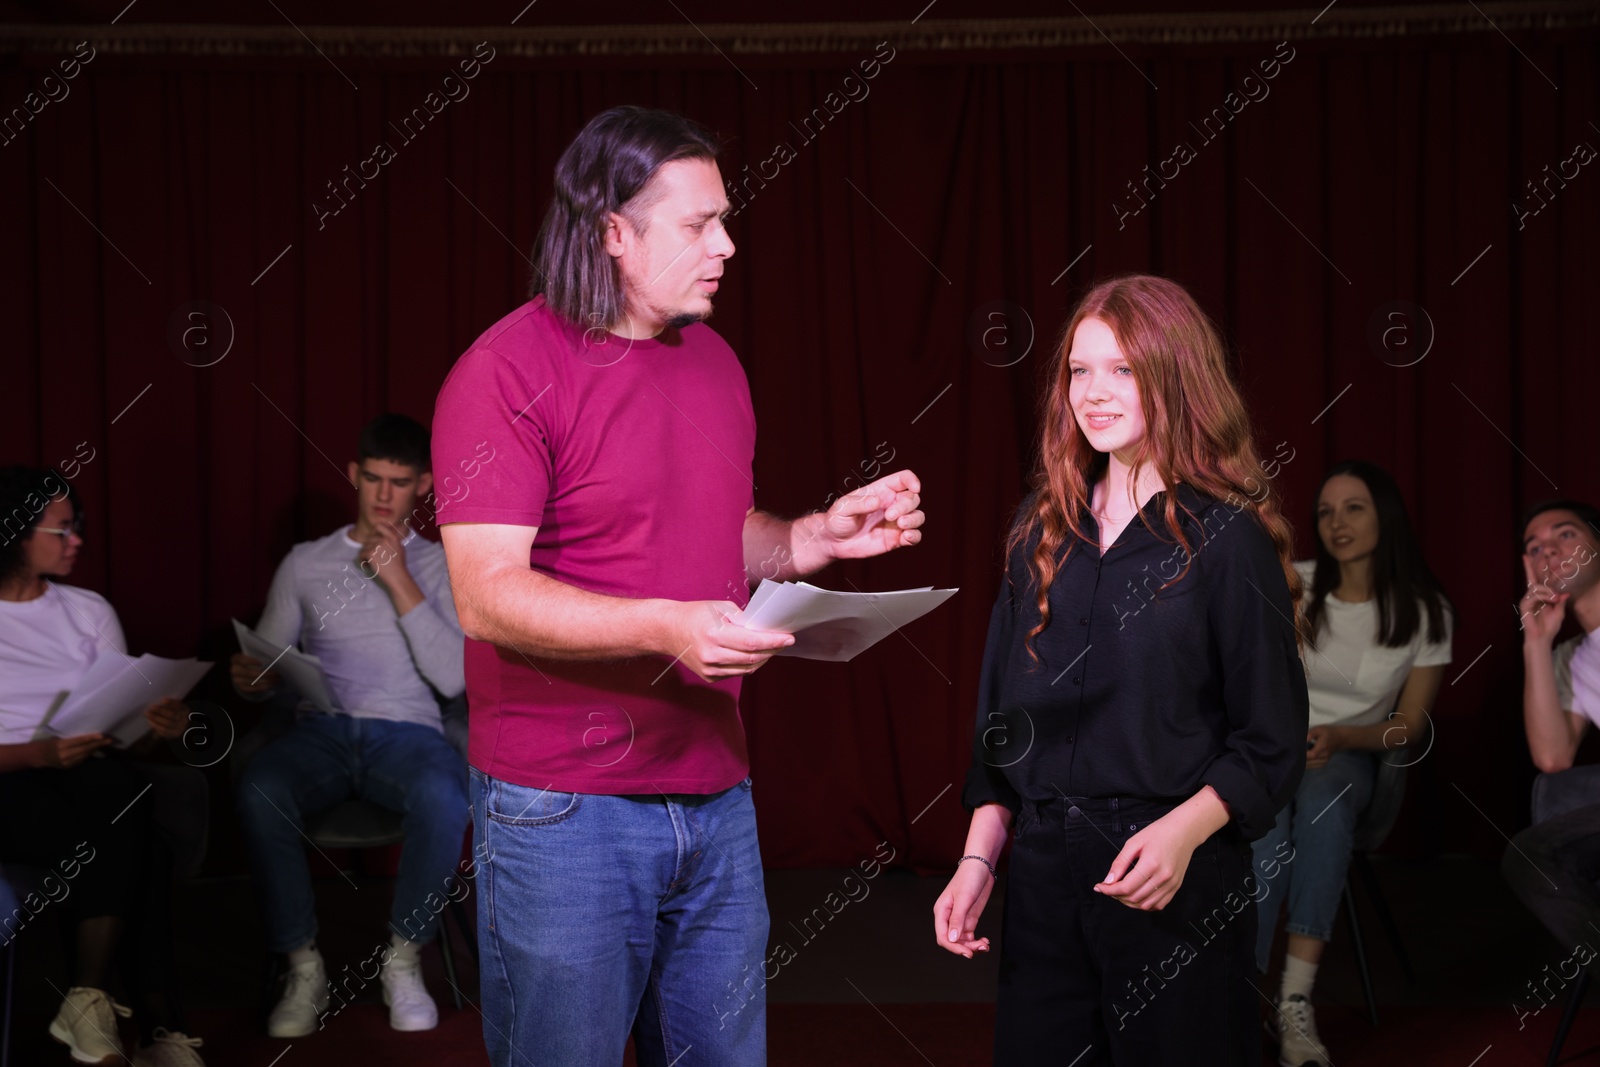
64 752
956 912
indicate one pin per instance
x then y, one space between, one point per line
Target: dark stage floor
871 987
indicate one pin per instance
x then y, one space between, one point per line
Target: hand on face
1541 609
382 554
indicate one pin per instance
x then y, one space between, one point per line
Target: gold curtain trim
672 40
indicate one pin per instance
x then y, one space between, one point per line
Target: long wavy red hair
1196 430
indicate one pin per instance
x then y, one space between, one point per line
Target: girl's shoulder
79 597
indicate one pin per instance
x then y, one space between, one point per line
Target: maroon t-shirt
633 459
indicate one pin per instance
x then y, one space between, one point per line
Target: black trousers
1087 981
89 828
1554 865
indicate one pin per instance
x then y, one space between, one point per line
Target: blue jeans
326 759
604 914
1319 824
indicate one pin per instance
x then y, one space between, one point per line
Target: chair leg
1361 951
449 963
1568 1014
1369 879
5 1024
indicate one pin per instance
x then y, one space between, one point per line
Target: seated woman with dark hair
1378 626
84 822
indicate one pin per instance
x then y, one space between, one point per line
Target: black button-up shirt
1145 692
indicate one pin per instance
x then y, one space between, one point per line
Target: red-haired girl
1141 709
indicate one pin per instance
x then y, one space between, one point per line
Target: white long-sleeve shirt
380 665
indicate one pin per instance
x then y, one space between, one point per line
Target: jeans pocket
519 805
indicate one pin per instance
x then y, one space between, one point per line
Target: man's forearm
404 592
1550 739
783 549
537 615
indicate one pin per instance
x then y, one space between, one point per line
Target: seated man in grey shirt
372 602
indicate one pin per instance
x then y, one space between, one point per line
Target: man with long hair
596 562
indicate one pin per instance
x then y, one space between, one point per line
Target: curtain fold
909 247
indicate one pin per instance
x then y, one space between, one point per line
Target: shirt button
1071 738
1076 680
1083 621
1074 812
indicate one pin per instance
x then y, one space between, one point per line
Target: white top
1577 663
379 665
1354 681
47 645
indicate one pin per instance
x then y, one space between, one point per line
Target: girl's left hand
1162 850
167 718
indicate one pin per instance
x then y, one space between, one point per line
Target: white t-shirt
1354 680
1577 663
47 644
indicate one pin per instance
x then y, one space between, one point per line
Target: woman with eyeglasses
69 803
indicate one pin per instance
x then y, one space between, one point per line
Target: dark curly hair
24 494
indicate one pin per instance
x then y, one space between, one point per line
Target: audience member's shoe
170 1050
87 1025
1298 1043
410 1006
305 998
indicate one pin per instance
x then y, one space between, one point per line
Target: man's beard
687 318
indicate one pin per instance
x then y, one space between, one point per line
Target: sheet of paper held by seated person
111 697
303 672
829 625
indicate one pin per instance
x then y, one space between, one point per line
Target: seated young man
372 602
1553 866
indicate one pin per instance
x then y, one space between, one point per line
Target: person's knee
439 792
1332 831
1517 865
263 795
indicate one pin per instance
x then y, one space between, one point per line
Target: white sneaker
1298 1043
87 1025
305 998
170 1049
410 1006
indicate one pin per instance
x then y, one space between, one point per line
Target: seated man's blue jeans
1554 865
604 914
325 759
1319 825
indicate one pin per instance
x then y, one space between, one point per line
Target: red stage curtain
924 234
